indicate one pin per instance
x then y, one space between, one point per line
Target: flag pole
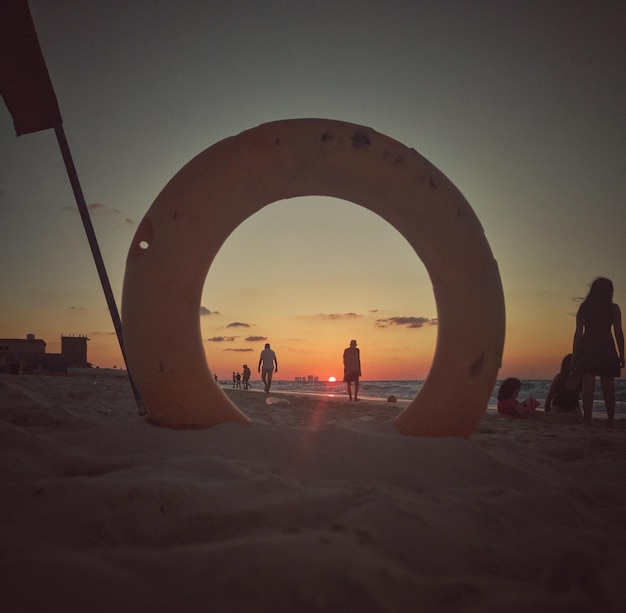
95 251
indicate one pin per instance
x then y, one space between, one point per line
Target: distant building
28 355
74 350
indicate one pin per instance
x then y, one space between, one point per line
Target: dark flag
24 81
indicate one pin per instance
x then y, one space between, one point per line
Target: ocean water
407 390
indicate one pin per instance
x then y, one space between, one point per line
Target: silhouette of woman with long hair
598 331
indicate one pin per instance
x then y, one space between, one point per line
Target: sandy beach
319 505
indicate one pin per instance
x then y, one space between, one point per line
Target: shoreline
296 407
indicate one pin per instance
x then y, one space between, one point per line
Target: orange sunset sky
521 105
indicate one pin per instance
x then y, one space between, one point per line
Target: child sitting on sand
507 399
564 394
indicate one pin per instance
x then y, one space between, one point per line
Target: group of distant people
239 379
268 366
598 351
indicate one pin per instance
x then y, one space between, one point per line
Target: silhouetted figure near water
352 368
564 393
246 377
270 365
508 404
598 321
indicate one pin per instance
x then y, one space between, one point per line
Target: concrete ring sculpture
191 218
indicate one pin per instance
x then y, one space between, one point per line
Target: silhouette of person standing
246 377
270 365
597 321
352 368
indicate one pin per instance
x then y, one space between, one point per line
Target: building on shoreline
28 355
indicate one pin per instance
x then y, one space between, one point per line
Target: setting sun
332 379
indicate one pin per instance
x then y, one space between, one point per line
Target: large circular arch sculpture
192 217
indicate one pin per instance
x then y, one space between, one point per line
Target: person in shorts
269 363
352 368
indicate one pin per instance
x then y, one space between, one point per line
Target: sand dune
318 506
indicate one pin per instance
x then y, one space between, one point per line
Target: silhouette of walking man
270 365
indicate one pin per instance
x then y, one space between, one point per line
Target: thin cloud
238 324
407 322
243 350
102 211
97 208
205 311
255 339
338 316
221 339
